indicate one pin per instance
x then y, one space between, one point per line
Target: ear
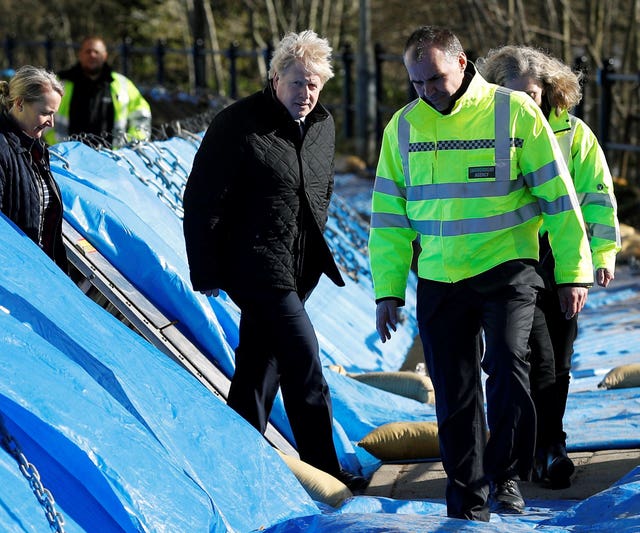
462 61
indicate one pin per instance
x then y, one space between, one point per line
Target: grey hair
561 86
29 83
306 47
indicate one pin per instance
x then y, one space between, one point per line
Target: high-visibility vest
475 186
132 113
594 186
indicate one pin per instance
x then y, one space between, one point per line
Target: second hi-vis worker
473 170
99 105
556 89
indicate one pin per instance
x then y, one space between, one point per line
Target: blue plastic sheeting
609 336
614 509
123 437
121 216
609 332
127 204
354 401
126 440
384 523
371 515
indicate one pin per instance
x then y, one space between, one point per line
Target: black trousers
278 347
552 339
450 319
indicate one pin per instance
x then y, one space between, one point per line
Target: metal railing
342 102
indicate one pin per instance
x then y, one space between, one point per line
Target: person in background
555 88
100 105
255 208
29 195
473 170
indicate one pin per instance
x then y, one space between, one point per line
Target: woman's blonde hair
560 85
306 47
29 83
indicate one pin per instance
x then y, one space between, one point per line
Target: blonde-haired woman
556 89
29 196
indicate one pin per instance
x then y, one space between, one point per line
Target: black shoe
505 498
559 467
354 482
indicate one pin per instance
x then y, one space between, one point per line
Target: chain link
166 175
29 471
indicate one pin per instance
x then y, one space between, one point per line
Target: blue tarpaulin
127 440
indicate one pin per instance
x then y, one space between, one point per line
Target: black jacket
91 109
22 158
256 201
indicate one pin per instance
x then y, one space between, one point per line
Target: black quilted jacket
256 201
21 157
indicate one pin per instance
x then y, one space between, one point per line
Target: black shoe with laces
505 498
354 482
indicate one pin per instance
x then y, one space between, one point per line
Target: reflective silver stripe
480 189
387 186
404 133
544 174
502 118
559 205
388 220
452 228
602 231
595 198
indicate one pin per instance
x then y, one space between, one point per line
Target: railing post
125 54
48 52
347 92
581 64
232 54
605 100
199 64
9 49
379 60
266 54
160 50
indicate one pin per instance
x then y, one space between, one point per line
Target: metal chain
166 175
29 471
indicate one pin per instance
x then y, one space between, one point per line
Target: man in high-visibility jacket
99 105
473 170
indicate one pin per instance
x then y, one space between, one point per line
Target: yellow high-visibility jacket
132 113
594 186
475 185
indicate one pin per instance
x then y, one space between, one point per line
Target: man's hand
211 292
386 317
572 300
604 276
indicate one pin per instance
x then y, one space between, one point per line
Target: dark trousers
450 319
551 342
278 347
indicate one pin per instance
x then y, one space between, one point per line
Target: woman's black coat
19 195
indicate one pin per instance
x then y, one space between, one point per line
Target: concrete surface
595 471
